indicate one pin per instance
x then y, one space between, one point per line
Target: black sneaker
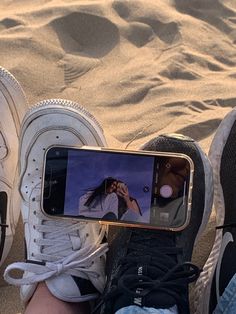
150 268
220 266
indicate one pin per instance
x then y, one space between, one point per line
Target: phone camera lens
57 153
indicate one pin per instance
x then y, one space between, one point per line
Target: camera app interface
115 186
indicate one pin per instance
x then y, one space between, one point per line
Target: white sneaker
13 105
68 255
212 293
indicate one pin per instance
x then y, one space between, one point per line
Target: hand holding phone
122 190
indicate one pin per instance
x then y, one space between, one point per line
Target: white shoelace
60 252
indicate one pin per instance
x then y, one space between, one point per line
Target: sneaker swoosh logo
227 238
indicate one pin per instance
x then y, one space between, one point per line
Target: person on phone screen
127 205
169 208
100 202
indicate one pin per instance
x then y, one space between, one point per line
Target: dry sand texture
141 67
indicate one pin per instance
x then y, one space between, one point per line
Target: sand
143 68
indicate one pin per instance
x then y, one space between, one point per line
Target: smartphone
142 189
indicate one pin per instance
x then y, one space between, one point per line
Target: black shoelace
3 225
231 225
162 272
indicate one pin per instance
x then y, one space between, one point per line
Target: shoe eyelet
34 212
34 227
34 240
32 254
33 200
87 235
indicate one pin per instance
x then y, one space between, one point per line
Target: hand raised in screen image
126 203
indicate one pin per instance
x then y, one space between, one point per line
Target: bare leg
44 302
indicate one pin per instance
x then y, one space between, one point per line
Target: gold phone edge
124 224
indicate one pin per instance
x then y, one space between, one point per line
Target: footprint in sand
167 32
86 34
200 130
9 23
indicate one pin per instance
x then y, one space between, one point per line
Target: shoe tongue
154 238
144 267
151 243
155 299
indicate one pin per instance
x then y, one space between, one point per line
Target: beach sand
143 68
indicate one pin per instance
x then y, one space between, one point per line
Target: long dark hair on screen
100 190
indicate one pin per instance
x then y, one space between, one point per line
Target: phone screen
122 187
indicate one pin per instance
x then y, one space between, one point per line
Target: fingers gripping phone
131 188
